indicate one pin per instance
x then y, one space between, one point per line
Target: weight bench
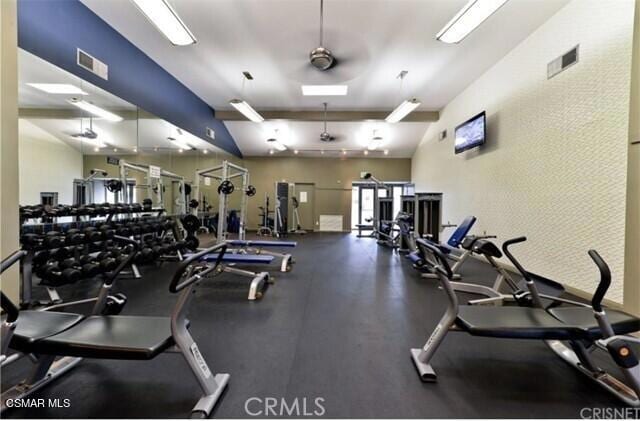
259 280
260 246
59 341
585 327
425 265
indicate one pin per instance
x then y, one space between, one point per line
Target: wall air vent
92 64
211 134
563 62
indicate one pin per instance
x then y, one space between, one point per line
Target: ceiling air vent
92 64
563 62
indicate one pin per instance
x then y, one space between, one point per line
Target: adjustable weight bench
261 246
49 335
259 280
584 327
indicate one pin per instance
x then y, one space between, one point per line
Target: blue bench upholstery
262 243
238 258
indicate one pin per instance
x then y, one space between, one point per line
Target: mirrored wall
71 130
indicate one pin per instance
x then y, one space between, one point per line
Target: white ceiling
399 139
372 39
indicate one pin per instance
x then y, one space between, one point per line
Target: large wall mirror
69 127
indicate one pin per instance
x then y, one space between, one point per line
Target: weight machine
155 185
225 174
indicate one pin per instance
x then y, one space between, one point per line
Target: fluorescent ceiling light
246 110
402 110
324 90
467 19
181 144
95 110
166 20
276 144
58 88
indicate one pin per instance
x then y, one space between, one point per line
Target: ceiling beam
68 113
414 117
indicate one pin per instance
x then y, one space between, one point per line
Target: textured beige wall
555 164
632 245
9 222
332 179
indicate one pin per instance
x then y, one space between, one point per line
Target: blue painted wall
54 29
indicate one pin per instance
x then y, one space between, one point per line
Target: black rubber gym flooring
338 327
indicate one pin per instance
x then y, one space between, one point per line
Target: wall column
632 235
9 218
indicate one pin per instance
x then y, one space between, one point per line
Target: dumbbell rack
68 246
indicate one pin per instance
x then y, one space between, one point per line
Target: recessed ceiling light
246 110
95 110
344 152
206 151
115 149
58 88
386 151
324 90
166 20
402 110
270 151
467 19
322 152
366 152
96 149
180 150
295 152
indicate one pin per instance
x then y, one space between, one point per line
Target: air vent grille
563 62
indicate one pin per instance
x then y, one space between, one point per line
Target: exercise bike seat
487 248
622 323
515 322
111 337
33 326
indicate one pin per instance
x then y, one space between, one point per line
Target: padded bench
111 337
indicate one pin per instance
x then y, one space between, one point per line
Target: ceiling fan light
321 58
245 109
402 110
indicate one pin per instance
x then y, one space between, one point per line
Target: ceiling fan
88 133
321 58
325 136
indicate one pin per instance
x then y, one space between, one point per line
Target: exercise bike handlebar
443 265
605 280
13 257
176 285
511 257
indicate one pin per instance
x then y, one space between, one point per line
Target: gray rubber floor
338 327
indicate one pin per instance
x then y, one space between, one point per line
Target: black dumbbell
74 236
91 234
60 253
52 240
31 241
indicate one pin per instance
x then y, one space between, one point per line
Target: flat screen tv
471 133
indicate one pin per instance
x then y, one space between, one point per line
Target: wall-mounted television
471 133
